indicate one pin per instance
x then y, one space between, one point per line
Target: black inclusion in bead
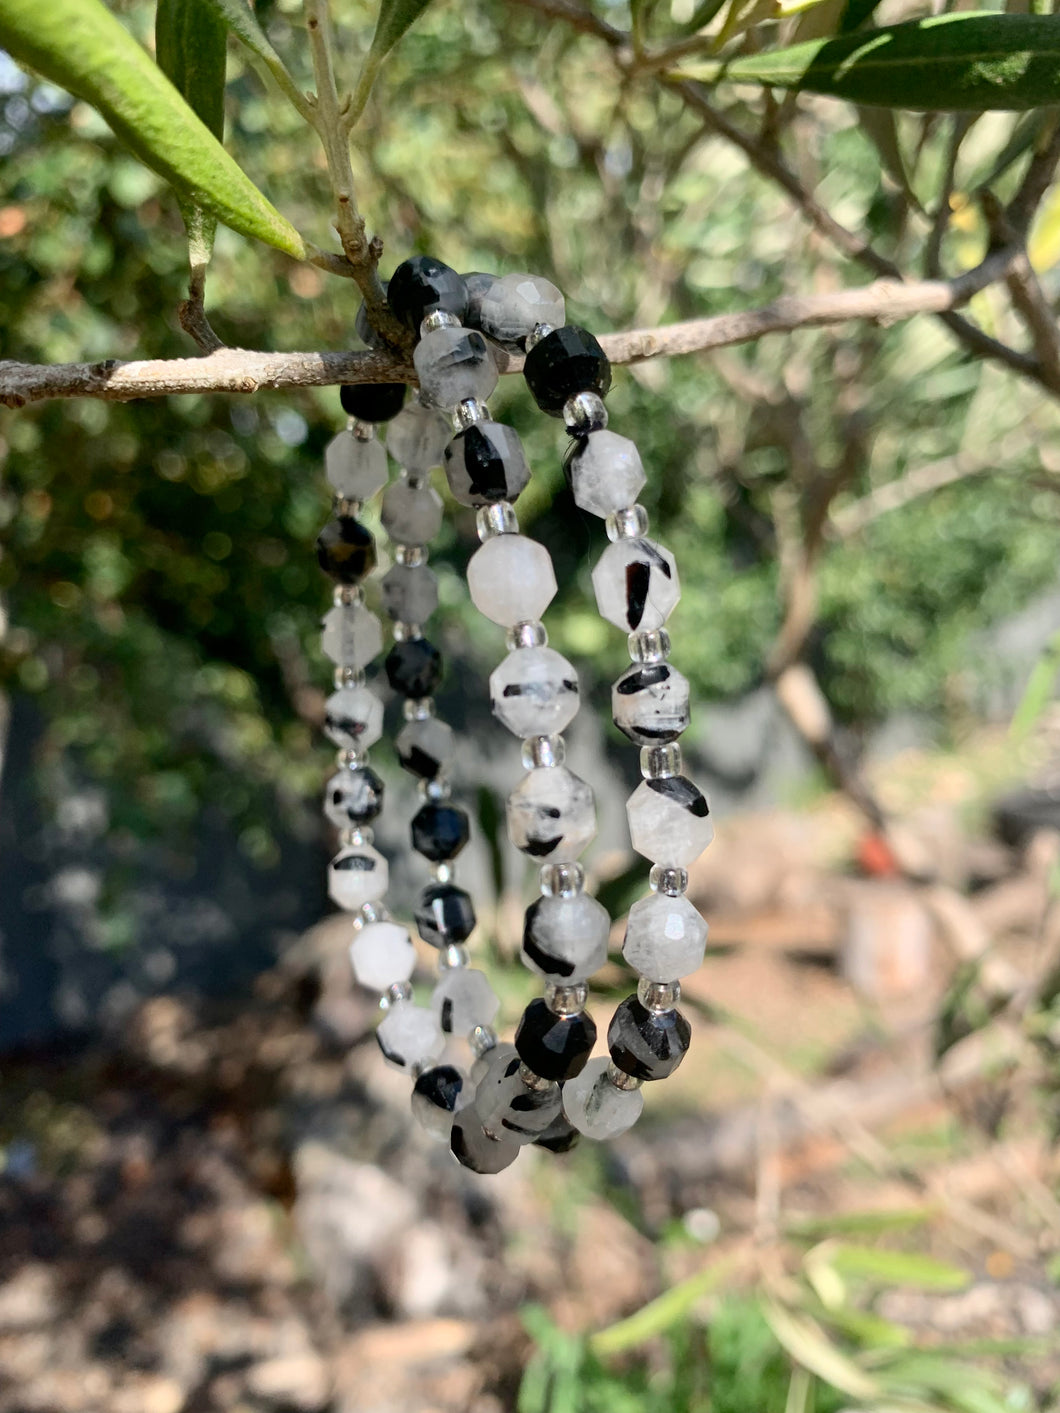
420 286
346 550
414 667
439 832
647 1044
440 1087
372 402
445 916
560 1136
566 362
555 1047
358 797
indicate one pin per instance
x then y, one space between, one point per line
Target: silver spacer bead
584 413
649 646
545 751
437 789
348 676
443 872
481 1039
399 991
628 524
658 996
527 635
468 412
404 631
664 878
418 708
566 1000
562 880
345 595
498 519
346 507
537 333
534 1081
351 758
438 319
356 837
660 762
412 555
363 431
453 957
620 1079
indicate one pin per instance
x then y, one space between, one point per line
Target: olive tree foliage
850 498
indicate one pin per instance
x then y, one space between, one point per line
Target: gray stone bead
463 999
534 692
476 1150
508 1107
356 469
551 814
477 285
452 365
482 1064
636 584
412 515
596 1107
352 635
665 937
409 593
650 703
485 463
416 438
409 1036
565 939
382 954
669 820
353 718
605 472
511 307
425 747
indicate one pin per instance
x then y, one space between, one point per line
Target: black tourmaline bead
346 550
566 362
439 832
445 916
420 286
486 463
647 1044
555 1047
560 1136
414 667
372 402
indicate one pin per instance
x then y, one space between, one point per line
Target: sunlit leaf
1038 692
395 18
809 1346
897 1268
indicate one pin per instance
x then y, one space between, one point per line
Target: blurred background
211 1195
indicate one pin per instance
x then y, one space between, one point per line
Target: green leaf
243 23
662 1313
1038 692
80 46
964 62
395 18
809 1346
897 1268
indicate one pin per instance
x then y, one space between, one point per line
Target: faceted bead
365 329
647 1044
353 797
439 832
476 1150
409 592
560 1136
555 1047
511 579
372 402
566 938
605 472
513 306
408 1036
412 515
596 1107
453 365
356 876
505 1105
417 437
346 550
636 584
478 285
463 999
534 692
352 635
437 1095
665 937
421 285
669 820
481 1067
650 703
356 469
425 747
486 463
414 667
353 718
551 814
382 954
566 361
445 916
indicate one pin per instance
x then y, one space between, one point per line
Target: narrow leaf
897 1268
395 18
80 46
243 23
809 1346
1038 692
960 63
662 1313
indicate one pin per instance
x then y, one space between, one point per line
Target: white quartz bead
410 592
382 954
425 747
357 875
565 939
409 1036
665 938
412 515
650 703
454 364
512 307
511 579
598 1108
605 473
551 814
636 584
352 635
353 718
417 437
355 469
669 820
534 692
463 999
